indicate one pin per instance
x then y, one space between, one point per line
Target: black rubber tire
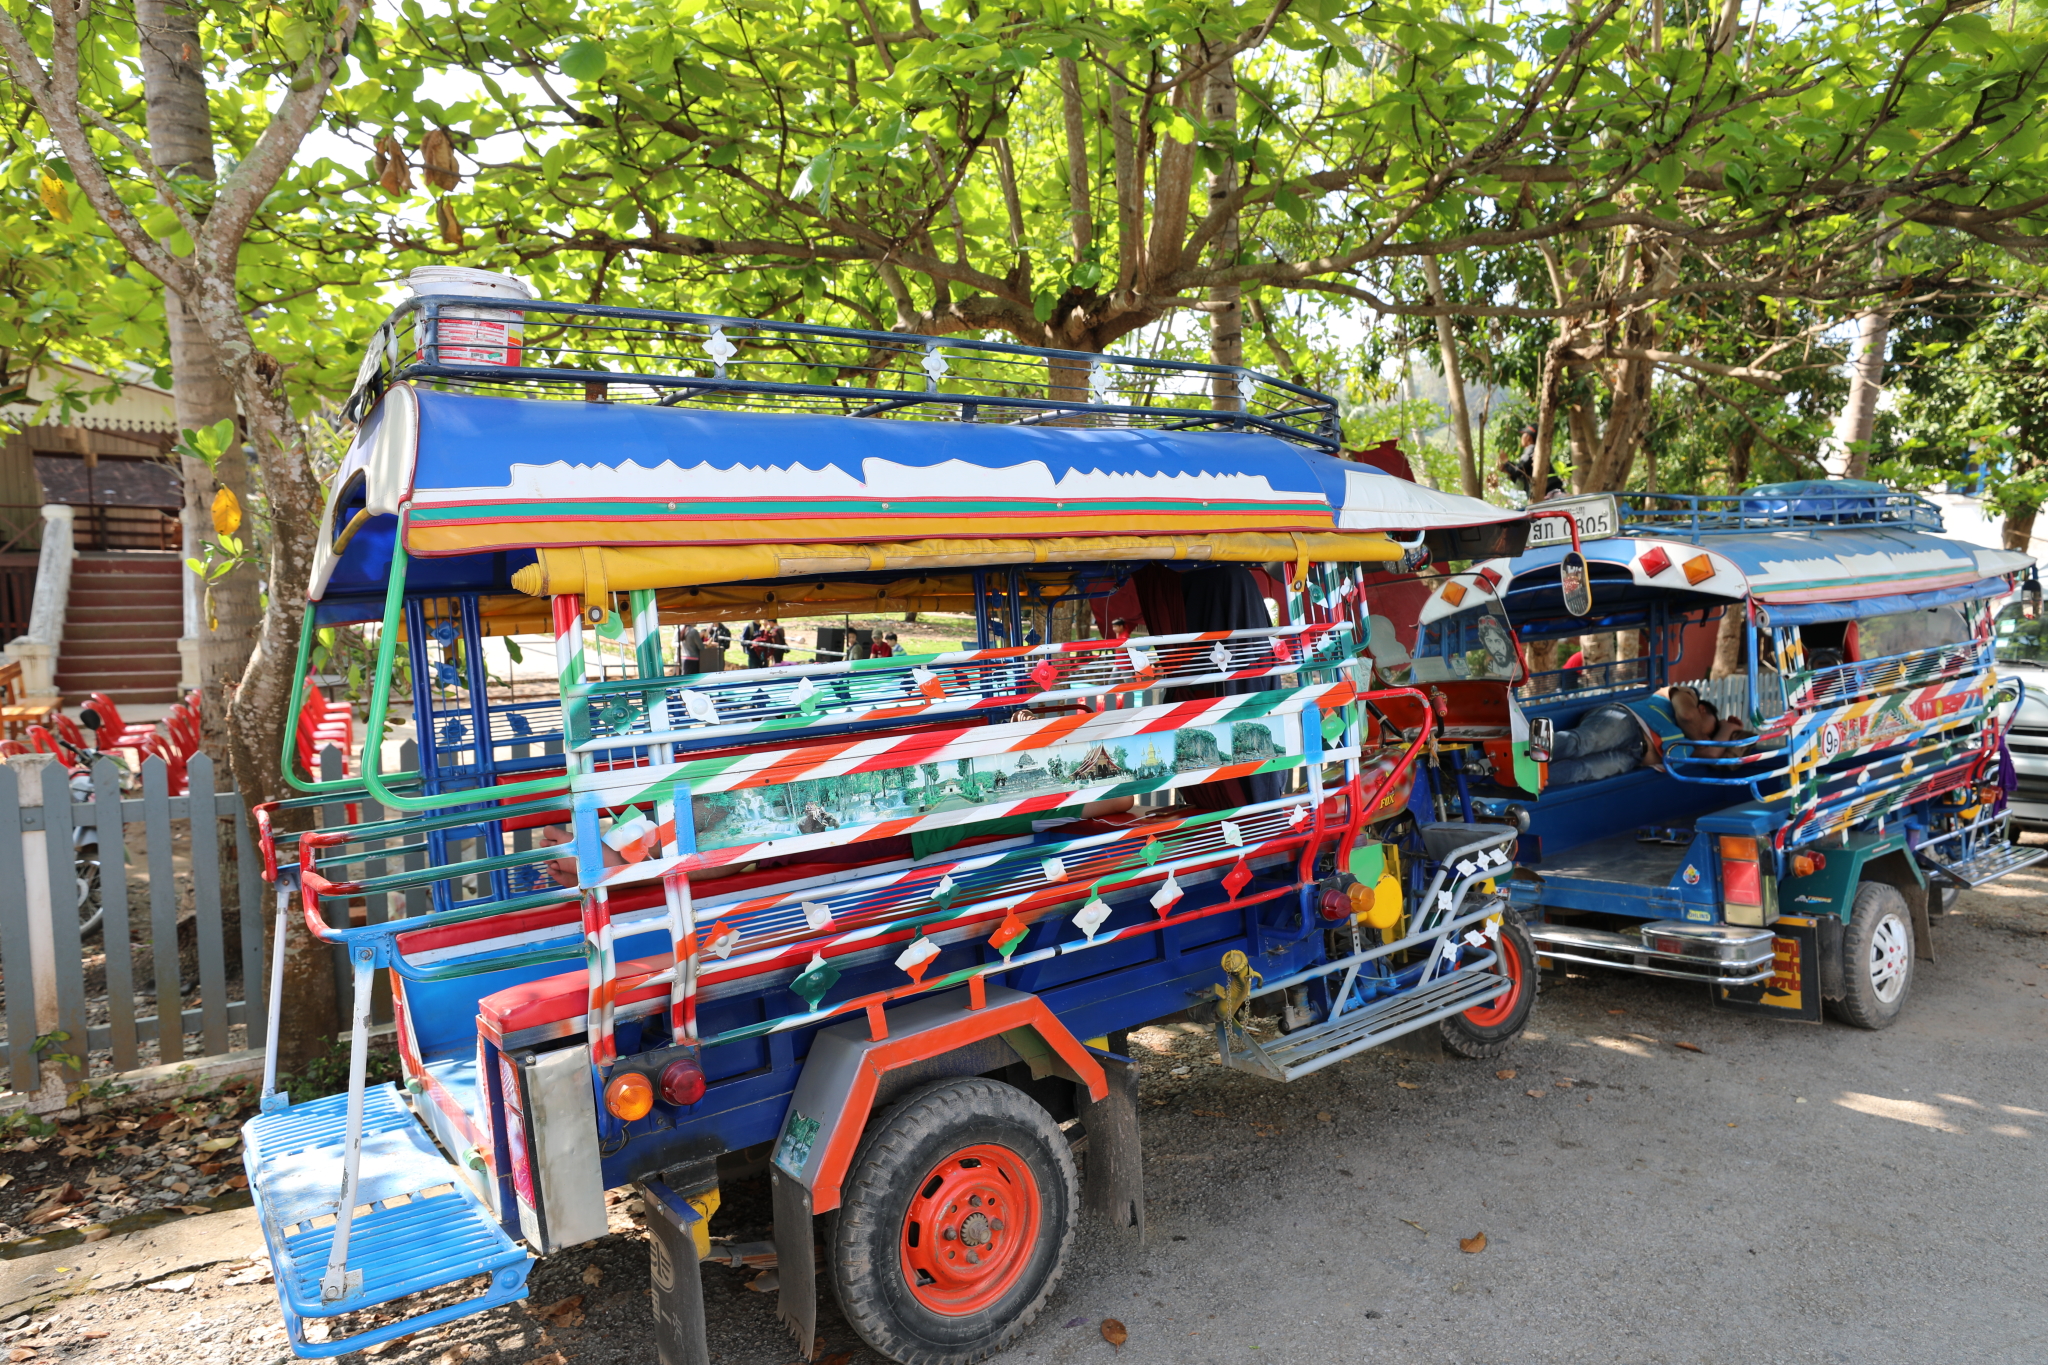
1468 1039
900 1148
1878 923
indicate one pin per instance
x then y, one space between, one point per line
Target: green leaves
582 60
208 444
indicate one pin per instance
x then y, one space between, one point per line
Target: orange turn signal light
629 1096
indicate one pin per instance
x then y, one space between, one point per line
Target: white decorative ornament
723 941
1475 939
805 690
920 951
1055 869
626 833
945 885
1169 891
1232 835
1220 657
816 914
1140 657
1098 383
934 364
719 348
700 706
1091 916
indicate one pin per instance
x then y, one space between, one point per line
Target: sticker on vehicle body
1692 875
1702 916
793 1153
1814 900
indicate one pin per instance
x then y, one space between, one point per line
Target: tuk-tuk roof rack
592 353
1696 514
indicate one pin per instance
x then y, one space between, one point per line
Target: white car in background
2021 642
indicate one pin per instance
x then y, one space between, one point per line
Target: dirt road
1784 1193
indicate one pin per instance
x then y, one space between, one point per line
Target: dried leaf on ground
1472 1245
128 1149
163 1118
172 1286
1207 1114
592 1273
565 1313
1326 1117
74 1150
1617 1011
1506 1073
1689 1047
1533 1094
258 1273
1417 1226
21 1353
385 1347
219 1144
238 1182
1408 1085
1113 1332
455 1355
1565 1084
551 1358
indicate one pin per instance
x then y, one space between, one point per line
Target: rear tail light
1806 864
682 1082
1745 890
629 1096
1335 905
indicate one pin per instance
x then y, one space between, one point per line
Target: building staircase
121 628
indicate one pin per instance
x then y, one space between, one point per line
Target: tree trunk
1454 384
1728 643
1738 458
2019 529
1226 315
181 143
1858 422
1546 418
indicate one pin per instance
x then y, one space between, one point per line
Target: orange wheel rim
969 1230
1501 1008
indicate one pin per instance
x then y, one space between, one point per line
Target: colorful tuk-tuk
879 922
1781 827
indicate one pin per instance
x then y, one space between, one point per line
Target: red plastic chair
114 732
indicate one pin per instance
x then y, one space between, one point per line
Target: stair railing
36 651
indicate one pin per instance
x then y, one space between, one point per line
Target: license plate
1596 517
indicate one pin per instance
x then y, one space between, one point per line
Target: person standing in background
717 636
748 637
690 650
884 648
774 644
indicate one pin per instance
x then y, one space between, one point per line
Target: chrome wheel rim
1891 950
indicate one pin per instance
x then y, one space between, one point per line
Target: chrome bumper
1719 954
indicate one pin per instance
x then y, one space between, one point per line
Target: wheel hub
970 1230
1890 958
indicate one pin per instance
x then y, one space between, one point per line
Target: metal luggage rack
590 353
1917 668
1696 514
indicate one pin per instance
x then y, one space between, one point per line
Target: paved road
1787 1193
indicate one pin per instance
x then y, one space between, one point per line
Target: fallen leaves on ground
1472 1245
455 1355
1506 1073
1207 1114
1533 1094
1689 1047
567 1313
173 1286
1326 1117
1417 1226
258 1273
551 1358
1617 1011
21 1353
1408 1085
1565 1084
1113 1332
592 1273
384 1347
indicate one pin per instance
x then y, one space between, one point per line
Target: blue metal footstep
417 1225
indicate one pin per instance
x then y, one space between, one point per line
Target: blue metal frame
1692 515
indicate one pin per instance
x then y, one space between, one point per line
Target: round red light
682 1081
1335 905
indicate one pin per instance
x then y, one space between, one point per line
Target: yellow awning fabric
596 570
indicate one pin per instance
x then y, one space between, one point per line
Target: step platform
1997 861
417 1225
1296 1054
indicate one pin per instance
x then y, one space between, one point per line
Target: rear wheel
1877 957
1487 1030
957 1217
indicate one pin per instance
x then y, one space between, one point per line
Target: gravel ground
1784 1193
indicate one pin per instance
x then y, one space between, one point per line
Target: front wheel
957 1217
1877 957
1487 1030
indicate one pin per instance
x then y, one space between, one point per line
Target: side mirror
2030 599
89 718
1577 584
1542 739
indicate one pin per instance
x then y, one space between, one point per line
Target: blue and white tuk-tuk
876 924
1797 862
